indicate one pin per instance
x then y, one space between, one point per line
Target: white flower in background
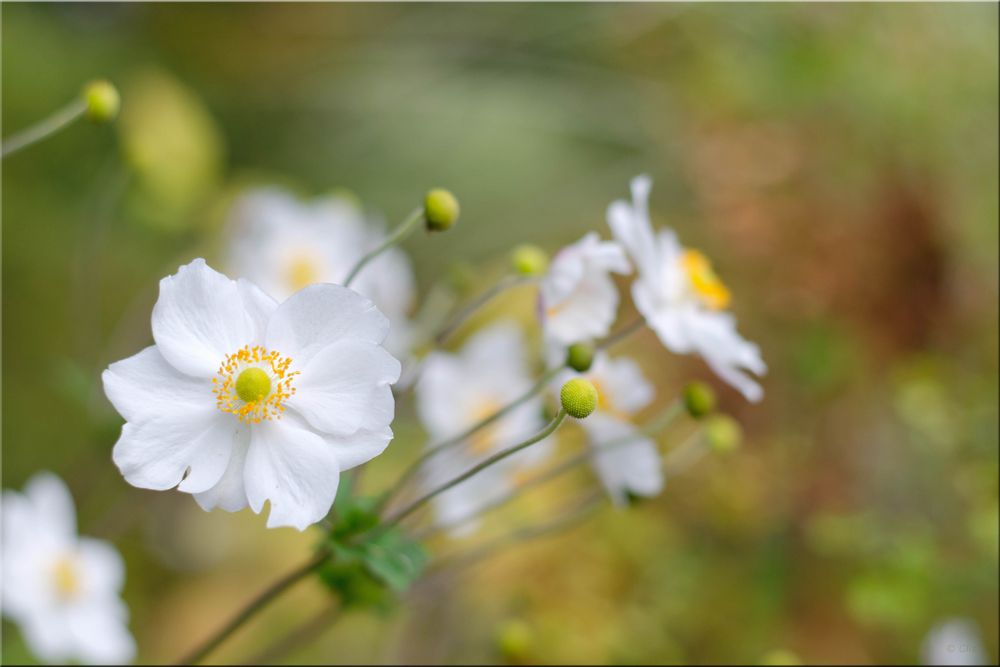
624 469
242 400
62 590
457 390
283 244
578 298
954 642
680 296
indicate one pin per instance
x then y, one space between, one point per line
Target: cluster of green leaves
369 565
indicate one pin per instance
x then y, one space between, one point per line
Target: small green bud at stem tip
529 260
580 357
440 210
723 433
699 399
578 398
102 101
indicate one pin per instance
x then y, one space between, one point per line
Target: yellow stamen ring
253 384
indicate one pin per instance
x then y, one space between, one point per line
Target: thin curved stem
456 321
578 512
398 235
622 333
482 465
299 636
257 604
453 441
43 128
671 413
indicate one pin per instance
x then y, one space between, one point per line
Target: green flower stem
672 412
479 467
398 235
682 458
44 128
257 604
622 333
434 450
299 637
505 283
578 512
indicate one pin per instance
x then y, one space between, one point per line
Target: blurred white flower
456 391
680 296
578 298
627 462
62 590
283 244
242 400
954 642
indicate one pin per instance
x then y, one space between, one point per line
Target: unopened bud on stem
440 210
580 357
699 399
578 398
102 101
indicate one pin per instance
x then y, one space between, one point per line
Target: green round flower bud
252 385
578 398
780 656
102 101
514 640
580 357
529 260
440 210
723 433
699 399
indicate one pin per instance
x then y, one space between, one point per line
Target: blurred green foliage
839 163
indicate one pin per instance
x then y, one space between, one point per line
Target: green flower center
252 385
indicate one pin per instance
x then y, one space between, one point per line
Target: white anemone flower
61 589
242 400
456 391
680 296
282 244
954 641
627 462
578 299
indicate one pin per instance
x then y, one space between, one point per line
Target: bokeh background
839 163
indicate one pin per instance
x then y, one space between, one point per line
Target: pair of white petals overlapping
457 390
281 244
62 590
577 296
626 461
663 293
338 416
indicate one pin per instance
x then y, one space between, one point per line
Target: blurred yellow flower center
300 272
66 578
481 442
603 400
709 289
253 383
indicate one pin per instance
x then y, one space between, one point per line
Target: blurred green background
839 163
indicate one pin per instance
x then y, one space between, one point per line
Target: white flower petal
145 385
100 636
345 387
201 316
622 379
359 447
320 315
294 469
585 315
633 468
229 493
155 454
103 570
51 503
